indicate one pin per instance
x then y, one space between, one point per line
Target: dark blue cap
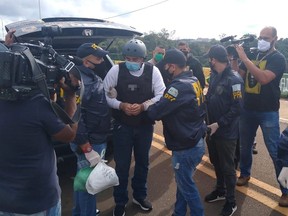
175 56
217 52
90 49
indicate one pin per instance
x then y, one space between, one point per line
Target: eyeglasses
264 38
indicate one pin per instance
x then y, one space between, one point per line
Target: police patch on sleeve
173 91
171 94
237 94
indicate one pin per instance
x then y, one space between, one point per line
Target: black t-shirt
28 179
165 75
195 65
264 98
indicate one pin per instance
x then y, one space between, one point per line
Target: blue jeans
269 124
184 163
125 140
85 203
53 211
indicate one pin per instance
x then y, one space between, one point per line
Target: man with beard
262 73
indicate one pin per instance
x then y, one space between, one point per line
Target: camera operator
262 74
9 37
28 177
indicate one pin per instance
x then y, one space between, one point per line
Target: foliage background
165 38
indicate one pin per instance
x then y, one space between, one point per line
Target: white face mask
263 45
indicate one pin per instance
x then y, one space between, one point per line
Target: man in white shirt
138 85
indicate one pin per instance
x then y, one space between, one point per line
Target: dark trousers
221 154
128 139
237 154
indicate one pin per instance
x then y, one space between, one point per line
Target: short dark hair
160 46
183 43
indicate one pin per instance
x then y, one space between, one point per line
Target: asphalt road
260 197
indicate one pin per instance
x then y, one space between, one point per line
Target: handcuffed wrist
86 148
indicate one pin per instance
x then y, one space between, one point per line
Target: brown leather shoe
283 201
243 180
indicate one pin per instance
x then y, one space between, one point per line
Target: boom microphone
227 38
247 39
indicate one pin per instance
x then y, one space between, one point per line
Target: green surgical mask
158 57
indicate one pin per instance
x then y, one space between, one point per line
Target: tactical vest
132 89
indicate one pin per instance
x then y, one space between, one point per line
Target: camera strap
40 79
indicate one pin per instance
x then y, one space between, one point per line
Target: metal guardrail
284 85
283 82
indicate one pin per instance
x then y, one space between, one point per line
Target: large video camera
245 41
18 79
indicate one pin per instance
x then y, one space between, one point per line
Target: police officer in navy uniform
91 140
225 104
138 84
182 112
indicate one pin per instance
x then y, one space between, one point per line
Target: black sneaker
254 150
229 209
214 196
97 212
144 204
119 210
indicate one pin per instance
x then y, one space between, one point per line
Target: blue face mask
133 66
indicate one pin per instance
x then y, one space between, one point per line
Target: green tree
199 47
154 39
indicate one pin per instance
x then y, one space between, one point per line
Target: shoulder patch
236 87
236 91
173 91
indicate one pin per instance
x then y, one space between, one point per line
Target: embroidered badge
219 90
95 46
173 91
237 91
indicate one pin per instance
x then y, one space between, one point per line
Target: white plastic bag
101 178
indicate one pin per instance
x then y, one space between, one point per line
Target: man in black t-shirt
192 63
28 175
262 74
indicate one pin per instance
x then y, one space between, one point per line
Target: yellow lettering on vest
94 46
237 95
169 97
199 92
